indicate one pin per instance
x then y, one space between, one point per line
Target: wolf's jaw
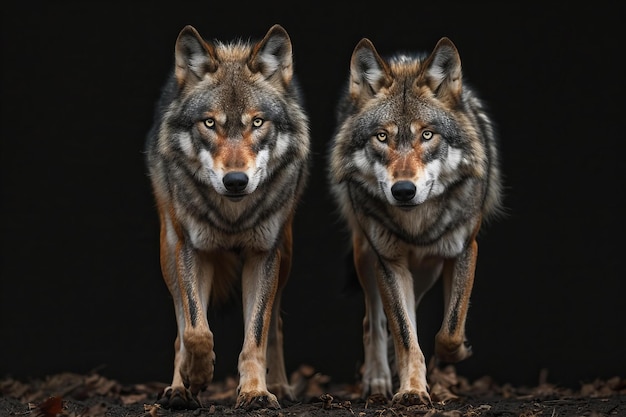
406 207
235 198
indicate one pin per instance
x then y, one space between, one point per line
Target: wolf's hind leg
277 381
376 373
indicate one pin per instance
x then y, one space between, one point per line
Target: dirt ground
73 395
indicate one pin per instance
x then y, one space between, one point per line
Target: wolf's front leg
259 286
188 279
458 280
396 288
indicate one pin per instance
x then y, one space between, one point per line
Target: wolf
413 166
228 159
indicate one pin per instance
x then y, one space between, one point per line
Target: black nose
403 190
235 182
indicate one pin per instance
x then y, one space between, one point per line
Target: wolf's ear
194 56
272 56
443 71
368 71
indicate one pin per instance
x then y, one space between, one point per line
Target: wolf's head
233 115
407 127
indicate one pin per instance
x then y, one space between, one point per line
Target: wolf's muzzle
235 182
403 191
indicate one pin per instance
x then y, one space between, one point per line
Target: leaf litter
93 395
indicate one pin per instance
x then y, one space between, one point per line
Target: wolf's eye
427 135
381 136
257 122
210 123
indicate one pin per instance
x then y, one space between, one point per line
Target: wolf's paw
409 398
376 400
281 391
377 386
254 400
452 352
197 367
178 398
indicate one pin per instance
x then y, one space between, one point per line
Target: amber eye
210 123
257 122
427 135
381 136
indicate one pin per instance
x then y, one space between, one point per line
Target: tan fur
228 160
413 166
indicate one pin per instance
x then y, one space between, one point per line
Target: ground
73 395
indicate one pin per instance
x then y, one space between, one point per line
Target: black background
81 287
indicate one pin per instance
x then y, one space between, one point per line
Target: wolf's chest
215 231
428 230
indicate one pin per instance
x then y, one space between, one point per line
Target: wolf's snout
235 182
403 191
